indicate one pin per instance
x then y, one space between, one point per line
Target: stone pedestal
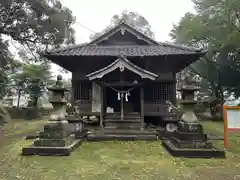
189 139
57 137
77 126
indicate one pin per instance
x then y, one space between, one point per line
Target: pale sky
96 15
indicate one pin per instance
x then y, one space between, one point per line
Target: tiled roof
153 48
128 50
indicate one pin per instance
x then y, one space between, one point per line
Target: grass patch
116 160
18 127
218 129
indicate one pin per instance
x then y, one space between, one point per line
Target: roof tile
129 50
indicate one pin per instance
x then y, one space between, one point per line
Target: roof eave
119 63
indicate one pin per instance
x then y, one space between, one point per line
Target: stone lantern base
77 126
56 139
189 140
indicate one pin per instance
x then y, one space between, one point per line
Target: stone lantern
189 139
189 121
57 137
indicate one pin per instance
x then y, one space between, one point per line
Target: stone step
94 137
123 125
129 131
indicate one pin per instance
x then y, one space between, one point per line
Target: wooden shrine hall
124 75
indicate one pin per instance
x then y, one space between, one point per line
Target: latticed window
83 90
159 92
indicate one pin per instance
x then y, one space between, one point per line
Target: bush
27 113
4 115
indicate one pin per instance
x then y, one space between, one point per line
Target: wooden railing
83 105
154 106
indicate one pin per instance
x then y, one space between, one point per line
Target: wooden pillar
73 89
174 90
121 96
142 105
102 105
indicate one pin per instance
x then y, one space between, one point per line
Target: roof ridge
123 22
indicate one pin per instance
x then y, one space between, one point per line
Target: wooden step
119 117
126 116
122 121
123 126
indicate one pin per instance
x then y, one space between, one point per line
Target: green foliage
36 24
216 27
7 67
132 18
35 77
4 115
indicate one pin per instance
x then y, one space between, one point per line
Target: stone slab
193 153
189 135
32 136
94 137
190 127
56 126
54 142
53 134
163 134
130 131
81 134
191 144
123 126
51 151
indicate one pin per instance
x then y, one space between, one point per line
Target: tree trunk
35 101
1 132
18 101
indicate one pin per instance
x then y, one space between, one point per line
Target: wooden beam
73 89
175 92
142 105
102 106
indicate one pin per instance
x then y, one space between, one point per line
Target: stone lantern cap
190 84
58 86
189 88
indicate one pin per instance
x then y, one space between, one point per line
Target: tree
32 79
216 27
132 18
36 24
7 66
